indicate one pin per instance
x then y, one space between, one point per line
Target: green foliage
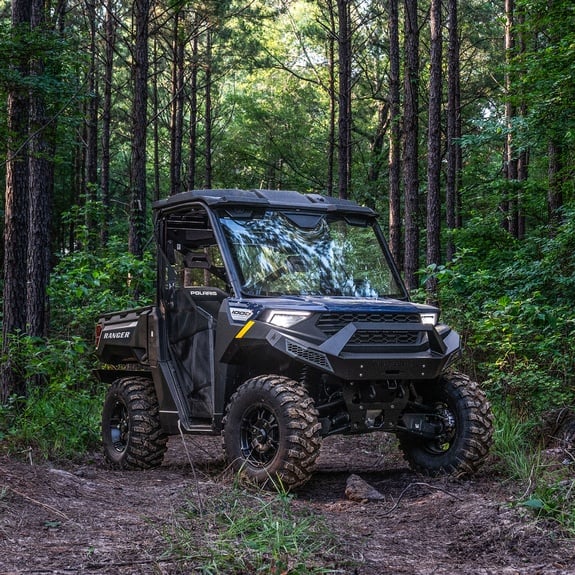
547 481
554 495
242 532
60 416
512 444
83 285
513 304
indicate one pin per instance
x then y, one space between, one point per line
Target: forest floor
84 518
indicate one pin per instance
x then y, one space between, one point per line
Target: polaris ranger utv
281 319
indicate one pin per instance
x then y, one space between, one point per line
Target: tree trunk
434 149
453 128
91 157
156 122
177 113
344 122
208 111
509 204
376 152
394 134
331 138
523 156
15 213
41 184
110 38
410 150
139 124
193 136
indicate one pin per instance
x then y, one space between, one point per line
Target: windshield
299 254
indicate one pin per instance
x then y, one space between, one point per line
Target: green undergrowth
59 418
545 477
253 532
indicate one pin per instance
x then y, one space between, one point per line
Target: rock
357 489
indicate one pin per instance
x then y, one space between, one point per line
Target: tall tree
510 168
193 98
434 146
177 111
394 133
454 160
41 175
91 139
345 116
109 48
141 15
411 141
208 112
331 90
16 205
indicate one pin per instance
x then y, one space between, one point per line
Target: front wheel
131 430
466 429
271 432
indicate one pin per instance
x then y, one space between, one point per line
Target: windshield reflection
279 254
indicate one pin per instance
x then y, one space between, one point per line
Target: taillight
98 334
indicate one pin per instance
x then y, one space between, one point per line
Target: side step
189 425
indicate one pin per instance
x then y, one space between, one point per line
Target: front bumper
330 356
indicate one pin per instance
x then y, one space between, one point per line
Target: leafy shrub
83 285
61 414
513 305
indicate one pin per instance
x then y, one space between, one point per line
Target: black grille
309 355
331 323
369 340
384 337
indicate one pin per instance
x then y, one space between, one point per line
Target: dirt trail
86 519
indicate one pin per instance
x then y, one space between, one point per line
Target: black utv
280 318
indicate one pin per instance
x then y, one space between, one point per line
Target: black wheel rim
259 435
448 432
119 427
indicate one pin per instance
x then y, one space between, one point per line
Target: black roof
263 198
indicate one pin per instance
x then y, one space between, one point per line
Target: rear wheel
465 430
131 430
271 432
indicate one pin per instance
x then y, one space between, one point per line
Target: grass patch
245 532
546 477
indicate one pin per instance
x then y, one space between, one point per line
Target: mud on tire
131 431
271 432
467 429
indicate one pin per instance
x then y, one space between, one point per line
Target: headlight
429 318
287 318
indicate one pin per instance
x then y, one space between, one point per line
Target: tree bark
394 134
453 128
434 149
193 135
15 212
410 149
331 138
91 153
345 117
208 111
177 112
110 39
510 169
139 125
41 175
